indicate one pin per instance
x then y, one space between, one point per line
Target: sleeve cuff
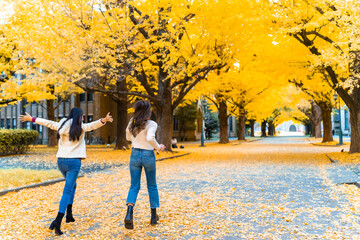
33 119
101 120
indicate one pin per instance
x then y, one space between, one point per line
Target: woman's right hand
162 147
25 118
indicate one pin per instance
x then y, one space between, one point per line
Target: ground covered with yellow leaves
275 188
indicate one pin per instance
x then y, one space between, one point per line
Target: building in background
345 121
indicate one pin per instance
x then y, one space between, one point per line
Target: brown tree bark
326 109
312 128
52 140
242 119
316 119
122 115
223 121
314 115
271 128
164 117
252 127
263 128
355 130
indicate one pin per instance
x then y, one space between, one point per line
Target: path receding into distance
275 188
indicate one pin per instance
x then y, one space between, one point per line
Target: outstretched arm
44 122
87 127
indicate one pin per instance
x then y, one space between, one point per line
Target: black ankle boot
69 215
154 217
129 224
57 224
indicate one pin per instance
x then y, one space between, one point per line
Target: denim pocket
149 158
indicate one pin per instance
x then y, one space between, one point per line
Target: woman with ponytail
72 149
141 132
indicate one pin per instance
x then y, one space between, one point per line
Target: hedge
16 141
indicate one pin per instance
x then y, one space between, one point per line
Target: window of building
8 126
27 126
90 96
231 124
40 129
2 123
175 123
14 123
336 116
346 116
82 97
33 126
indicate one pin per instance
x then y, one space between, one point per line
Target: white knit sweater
146 138
67 148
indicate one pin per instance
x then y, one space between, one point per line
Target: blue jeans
143 158
69 168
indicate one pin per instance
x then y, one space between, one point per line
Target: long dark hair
141 115
75 129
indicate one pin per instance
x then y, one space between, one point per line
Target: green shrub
16 141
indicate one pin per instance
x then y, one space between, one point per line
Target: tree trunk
52 140
223 120
121 123
165 122
308 127
164 116
242 119
326 110
263 129
122 116
317 129
316 115
312 126
271 129
355 130
252 126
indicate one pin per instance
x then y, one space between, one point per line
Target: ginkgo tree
8 61
330 32
315 86
159 50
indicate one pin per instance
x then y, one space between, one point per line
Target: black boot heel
154 217
129 223
56 224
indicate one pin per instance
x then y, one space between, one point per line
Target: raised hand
162 147
108 118
25 118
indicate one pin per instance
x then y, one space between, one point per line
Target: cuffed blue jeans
70 168
143 158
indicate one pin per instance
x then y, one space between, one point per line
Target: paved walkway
276 188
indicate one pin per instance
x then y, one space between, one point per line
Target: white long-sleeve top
67 148
145 138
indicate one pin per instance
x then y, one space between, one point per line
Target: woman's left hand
25 118
108 118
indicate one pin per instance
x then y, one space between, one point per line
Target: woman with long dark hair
141 132
72 148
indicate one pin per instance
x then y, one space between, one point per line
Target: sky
5 11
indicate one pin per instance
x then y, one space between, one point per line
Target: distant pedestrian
72 149
174 142
141 132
